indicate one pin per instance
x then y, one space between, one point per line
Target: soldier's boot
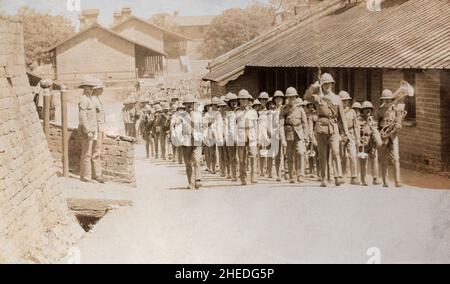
398 182
286 171
355 181
323 183
262 163
290 170
278 169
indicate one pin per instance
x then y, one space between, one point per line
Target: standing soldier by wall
230 133
294 134
246 120
390 116
348 144
101 128
370 141
129 117
331 113
88 127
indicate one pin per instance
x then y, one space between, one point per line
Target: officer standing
348 145
225 167
389 150
157 129
370 141
246 140
294 134
331 113
88 127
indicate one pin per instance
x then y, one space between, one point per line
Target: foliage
165 21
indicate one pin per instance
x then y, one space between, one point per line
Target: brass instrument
311 153
405 90
364 139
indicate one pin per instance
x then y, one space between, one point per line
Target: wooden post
47 115
65 134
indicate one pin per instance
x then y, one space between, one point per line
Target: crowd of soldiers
324 136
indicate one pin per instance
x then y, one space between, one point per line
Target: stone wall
117 157
35 224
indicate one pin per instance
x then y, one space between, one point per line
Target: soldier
192 141
146 126
246 140
331 113
101 128
277 106
130 117
389 114
225 167
230 133
210 132
44 89
370 140
263 99
313 161
164 122
348 144
294 134
269 135
88 128
157 129
175 132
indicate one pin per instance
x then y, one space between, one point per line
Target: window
410 102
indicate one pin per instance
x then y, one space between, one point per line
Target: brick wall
117 156
421 142
248 81
35 224
96 52
445 110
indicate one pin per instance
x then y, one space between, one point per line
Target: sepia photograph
227 138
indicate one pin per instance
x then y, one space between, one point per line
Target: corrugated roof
404 34
189 21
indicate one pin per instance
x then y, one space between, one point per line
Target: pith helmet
148 108
299 101
387 95
278 94
215 101
263 96
357 105
190 99
244 95
345 96
180 106
326 78
256 103
99 84
151 102
165 106
291 92
158 108
223 98
222 103
367 104
87 81
231 97
46 83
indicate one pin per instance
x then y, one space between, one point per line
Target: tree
235 27
165 21
41 31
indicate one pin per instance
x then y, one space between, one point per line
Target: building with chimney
130 49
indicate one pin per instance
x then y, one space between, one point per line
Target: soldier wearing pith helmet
88 126
348 145
331 115
294 134
389 150
230 133
246 138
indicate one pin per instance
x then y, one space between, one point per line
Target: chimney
126 12
88 18
117 18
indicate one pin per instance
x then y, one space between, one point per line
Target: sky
140 8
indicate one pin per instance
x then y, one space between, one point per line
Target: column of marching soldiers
323 137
